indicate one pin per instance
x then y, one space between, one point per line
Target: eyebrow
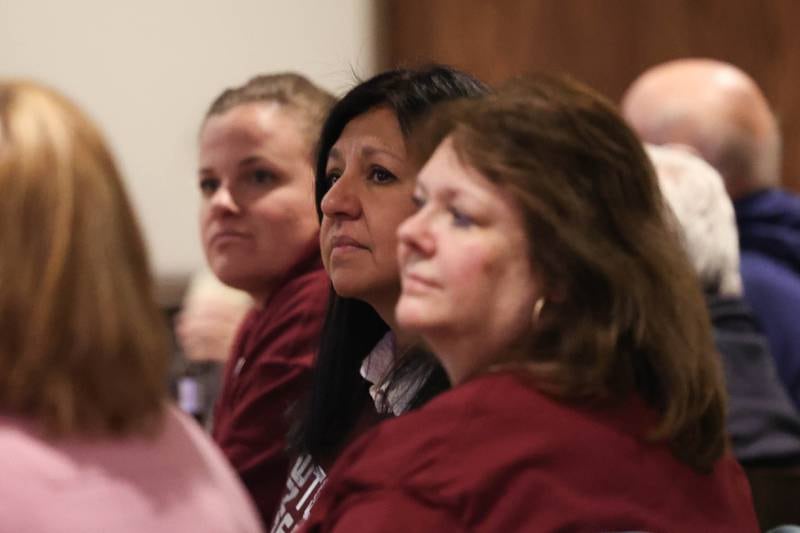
247 161
366 151
448 194
334 153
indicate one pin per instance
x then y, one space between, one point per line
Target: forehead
249 125
446 170
378 127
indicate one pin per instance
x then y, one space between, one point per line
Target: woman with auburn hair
542 271
88 441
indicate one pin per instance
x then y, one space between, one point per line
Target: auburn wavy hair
624 314
83 345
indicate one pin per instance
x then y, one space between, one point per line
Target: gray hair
696 194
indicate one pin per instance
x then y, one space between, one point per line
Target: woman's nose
342 199
414 236
223 201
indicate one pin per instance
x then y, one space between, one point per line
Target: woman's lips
413 283
226 236
344 244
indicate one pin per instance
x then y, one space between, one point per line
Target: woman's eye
461 219
380 175
332 177
418 201
262 176
208 186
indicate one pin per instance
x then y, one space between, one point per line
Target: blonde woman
88 441
260 235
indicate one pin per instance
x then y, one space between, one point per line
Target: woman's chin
412 317
350 286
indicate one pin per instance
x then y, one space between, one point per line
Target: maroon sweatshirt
268 371
495 455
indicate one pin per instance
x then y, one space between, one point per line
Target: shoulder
496 427
183 438
488 423
498 453
122 481
24 452
762 272
778 205
304 292
287 329
788 202
771 289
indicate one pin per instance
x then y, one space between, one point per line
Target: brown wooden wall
607 43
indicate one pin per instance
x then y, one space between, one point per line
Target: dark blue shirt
769 235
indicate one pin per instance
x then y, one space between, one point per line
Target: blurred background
146 71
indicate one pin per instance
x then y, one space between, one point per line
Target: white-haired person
763 425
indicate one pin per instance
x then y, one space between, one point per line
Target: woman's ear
557 292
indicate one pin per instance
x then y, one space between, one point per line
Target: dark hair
352 327
624 315
288 89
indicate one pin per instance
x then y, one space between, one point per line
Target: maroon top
495 455
269 369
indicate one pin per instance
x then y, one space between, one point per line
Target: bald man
718 111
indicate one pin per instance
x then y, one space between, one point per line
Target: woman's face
371 182
257 216
466 274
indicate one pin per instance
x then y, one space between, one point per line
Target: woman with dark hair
364 180
542 270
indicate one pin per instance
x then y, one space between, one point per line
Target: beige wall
146 71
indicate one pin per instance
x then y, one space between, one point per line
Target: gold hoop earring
537 309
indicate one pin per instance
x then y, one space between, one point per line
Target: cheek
204 217
324 231
473 272
299 204
386 246
324 248
279 210
303 201
388 221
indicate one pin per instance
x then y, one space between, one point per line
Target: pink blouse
173 482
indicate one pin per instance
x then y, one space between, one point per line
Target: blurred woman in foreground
87 440
542 271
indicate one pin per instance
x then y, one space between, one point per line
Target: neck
307 261
454 354
260 297
385 308
384 305
464 355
